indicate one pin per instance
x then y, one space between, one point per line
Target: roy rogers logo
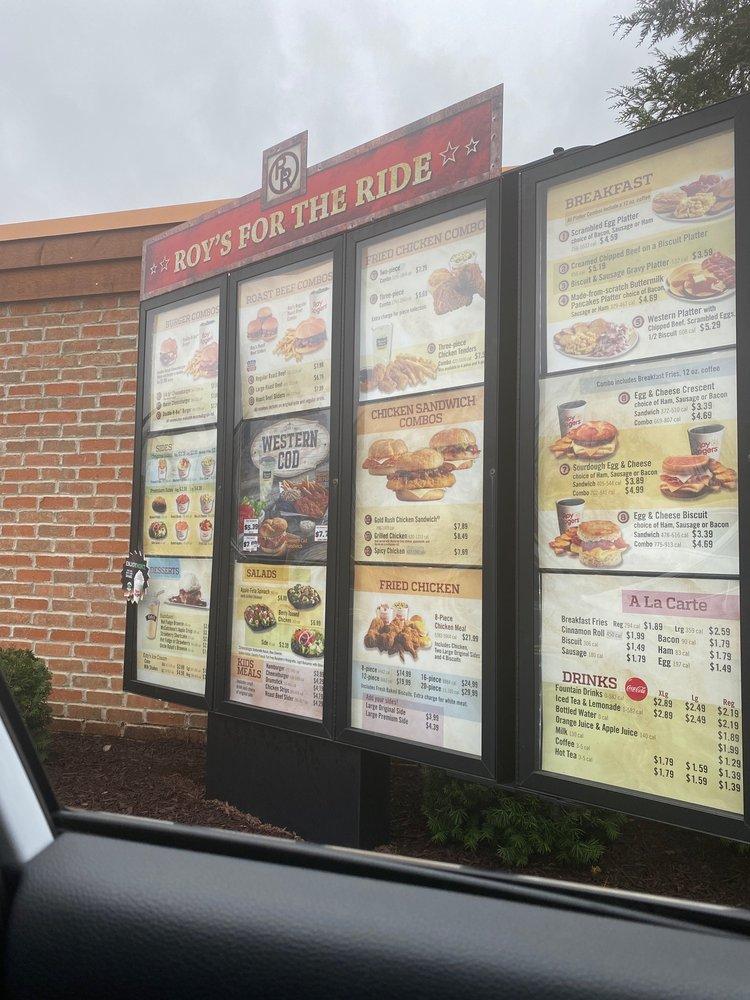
284 170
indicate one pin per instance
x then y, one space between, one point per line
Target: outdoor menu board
640 257
284 339
179 496
183 364
278 640
637 476
417 522
418 655
173 624
282 447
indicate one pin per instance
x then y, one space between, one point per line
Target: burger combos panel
174 505
634 595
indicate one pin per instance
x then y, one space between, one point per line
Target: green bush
30 683
515 826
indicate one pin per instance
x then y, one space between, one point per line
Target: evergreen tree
708 58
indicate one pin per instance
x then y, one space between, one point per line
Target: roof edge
131 219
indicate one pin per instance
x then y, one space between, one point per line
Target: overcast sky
118 104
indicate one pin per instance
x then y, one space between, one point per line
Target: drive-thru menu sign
375 514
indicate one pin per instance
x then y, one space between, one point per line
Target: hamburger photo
593 439
685 476
382 456
310 335
272 536
420 475
601 544
457 445
168 352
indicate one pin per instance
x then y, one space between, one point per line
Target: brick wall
67 388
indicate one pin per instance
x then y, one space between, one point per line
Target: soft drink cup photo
570 415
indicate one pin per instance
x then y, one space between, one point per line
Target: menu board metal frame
521 189
484 766
333 247
131 683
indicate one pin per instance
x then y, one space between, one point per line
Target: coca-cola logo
636 689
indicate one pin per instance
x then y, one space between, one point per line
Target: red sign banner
449 150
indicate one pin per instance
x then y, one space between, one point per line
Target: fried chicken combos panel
416 655
421 307
637 467
183 364
419 479
640 257
284 339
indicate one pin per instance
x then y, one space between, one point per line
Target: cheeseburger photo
593 439
457 445
420 475
601 544
685 476
382 455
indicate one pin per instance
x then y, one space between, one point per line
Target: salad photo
307 642
259 617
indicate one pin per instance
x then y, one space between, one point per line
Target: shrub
30 683
515 826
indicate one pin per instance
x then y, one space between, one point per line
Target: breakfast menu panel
417 519
284 339
282 449
183 363
641 257
637 484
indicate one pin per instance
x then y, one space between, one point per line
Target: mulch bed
165 780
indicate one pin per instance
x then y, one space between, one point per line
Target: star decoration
163 263
153 269
471 146
449 153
